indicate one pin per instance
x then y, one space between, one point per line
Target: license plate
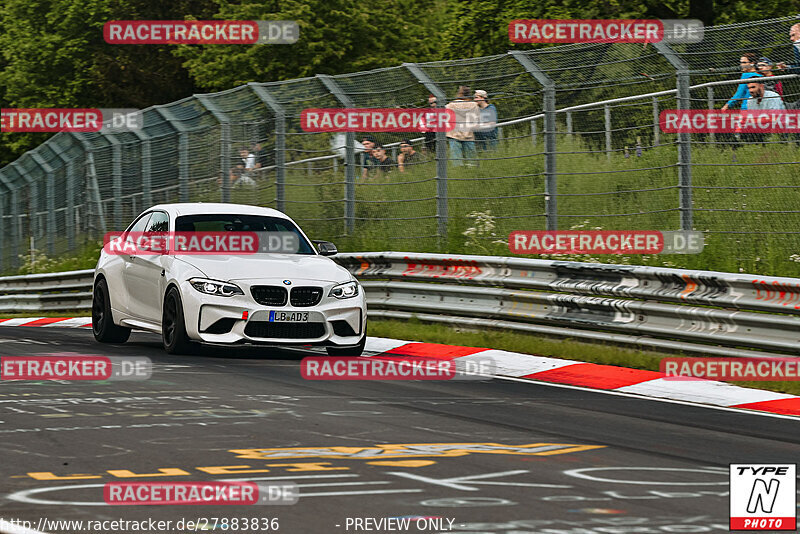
287 317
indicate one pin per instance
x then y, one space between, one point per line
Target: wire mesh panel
604 164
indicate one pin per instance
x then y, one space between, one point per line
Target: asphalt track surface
653 466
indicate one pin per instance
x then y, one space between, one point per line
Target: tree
336 37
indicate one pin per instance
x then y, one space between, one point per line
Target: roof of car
199 208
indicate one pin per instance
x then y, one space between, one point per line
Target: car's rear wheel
173 326
103 327
348 351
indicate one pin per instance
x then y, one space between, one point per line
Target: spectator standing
407 155
385 163
368 160
462 137
248 164
764 67
794 36
747 63
486 132
262 156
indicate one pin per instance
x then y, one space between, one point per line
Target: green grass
568 349
398 211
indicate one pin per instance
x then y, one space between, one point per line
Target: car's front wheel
103 327
348 351
173 326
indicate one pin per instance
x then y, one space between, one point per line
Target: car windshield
231 222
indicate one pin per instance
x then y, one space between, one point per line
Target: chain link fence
579 146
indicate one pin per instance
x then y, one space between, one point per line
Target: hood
263 266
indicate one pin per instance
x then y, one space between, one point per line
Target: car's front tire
173 326
348 351
103 327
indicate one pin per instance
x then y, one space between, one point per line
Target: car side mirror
326 248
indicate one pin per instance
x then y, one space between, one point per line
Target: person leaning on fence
407 155
239 174
748 65
486 131
462 137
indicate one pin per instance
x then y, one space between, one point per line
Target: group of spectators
763 94
475 129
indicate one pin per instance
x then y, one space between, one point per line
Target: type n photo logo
763 497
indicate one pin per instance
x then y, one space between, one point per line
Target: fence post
69 173
4 228
607 121
349 156
225 144
93 188
710 96
656 126
280 142
50 196
442 213
183 158
550 148
116 179
683 85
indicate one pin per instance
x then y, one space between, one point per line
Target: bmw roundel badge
287 282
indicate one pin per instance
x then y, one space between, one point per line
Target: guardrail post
50 197
683 86
225 144
349 156
280 143
442 212
549 98
656 127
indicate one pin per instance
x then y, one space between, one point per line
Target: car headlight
344 291
215 287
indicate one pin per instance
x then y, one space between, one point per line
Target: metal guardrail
67 291
694 311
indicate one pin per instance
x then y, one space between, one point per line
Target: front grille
285 330
269 295
306 296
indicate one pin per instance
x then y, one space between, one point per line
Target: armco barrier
696 311
649 306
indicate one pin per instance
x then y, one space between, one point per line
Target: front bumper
216 319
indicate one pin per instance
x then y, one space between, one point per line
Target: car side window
141 224
159 222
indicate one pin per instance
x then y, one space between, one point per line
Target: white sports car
298 297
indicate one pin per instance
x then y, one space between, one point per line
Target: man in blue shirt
748 65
